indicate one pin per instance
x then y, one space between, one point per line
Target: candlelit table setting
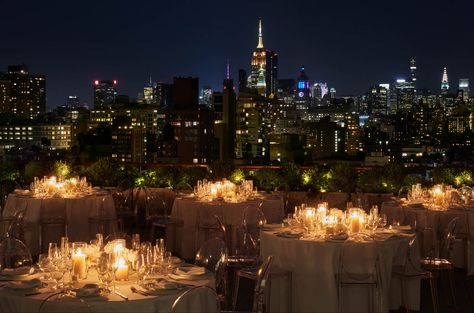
430 210
72 200
309 244
225 199
108 278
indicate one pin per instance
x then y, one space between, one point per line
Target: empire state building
264 68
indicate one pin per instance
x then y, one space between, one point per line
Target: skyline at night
351 47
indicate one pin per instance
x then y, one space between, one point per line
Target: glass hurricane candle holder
79 258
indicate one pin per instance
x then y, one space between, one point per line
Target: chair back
155 206
62 302
447 239
261 284
14 253
358 262
16 228
212 255
196 300
119 235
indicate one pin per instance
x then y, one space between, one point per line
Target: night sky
349 44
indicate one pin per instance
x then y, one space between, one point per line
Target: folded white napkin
290 234
161 286
190 271
341 236
88 290
272 226
23 270
402 227
23 285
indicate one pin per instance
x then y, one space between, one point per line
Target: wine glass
103 270
383 220
53 251
143 268
56 274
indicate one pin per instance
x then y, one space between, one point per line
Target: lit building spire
260 37
228 70
445 82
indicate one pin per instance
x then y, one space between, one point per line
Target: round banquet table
190 210
75 211
435 220
314 264
16 301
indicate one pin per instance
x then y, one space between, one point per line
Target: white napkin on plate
88 290
190 271
23 285
23 270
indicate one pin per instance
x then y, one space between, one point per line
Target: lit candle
329 221
355 222
118 247
438 195
79 264
122 269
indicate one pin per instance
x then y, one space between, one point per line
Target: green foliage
410 180
220 169
443 175
237 176
8 172
36 169
61 169
109 172
388 178
463 178
341 177
267 179
292 177
315 179
189 177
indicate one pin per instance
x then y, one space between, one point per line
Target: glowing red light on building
96 82
115 82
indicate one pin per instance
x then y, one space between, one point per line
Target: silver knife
121 295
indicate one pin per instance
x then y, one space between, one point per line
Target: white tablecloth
314 265
435 221
76 212
11 301
189 209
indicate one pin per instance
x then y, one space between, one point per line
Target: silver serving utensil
135 290
121 295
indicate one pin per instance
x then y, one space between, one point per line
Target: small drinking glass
383 220
53 252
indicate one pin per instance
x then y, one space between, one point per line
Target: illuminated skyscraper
205 98
264 68
445 82
463 89
105 92
413 71
148 94
302 98
21 93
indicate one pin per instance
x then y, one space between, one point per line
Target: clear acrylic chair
102 222
158 219
14 253
358 265
443 263
411 271
209 224
52 225
64 302
213 255
16 228
201 299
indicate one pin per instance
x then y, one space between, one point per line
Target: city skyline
71 63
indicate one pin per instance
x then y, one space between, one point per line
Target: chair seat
240 260
434 264
401 270
163 221
355 279
103 218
